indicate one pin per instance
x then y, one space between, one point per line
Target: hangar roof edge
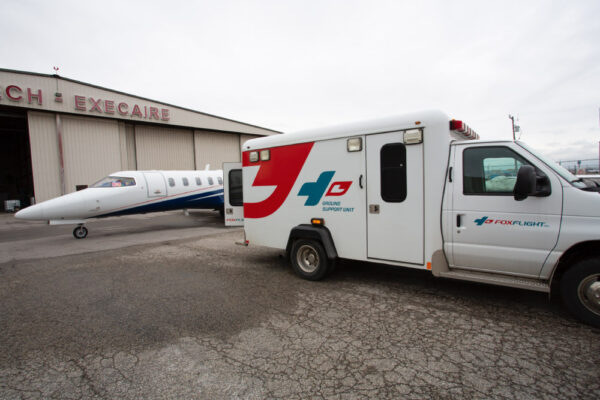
131 95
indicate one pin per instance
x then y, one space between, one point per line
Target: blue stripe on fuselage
210 200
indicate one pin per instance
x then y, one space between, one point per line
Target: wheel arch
320 233
572 255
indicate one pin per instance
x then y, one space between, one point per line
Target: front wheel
80 232
309 259
580 290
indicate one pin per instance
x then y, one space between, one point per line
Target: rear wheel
309 259
580 290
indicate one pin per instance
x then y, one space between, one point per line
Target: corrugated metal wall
44 155
164 148
91 148
123 145
131 157
214 148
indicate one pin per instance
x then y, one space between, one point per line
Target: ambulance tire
309 259
580 290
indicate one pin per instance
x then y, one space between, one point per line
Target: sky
294 65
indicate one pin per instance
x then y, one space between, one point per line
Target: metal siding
44 155
123 145
216 148
131 157
91 149
164 148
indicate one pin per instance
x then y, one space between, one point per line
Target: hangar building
58 134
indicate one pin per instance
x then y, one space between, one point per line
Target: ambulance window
393 172
171 182
210 180
198 181
185 181
491 170
220 180
236 197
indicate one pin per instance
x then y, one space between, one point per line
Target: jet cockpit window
185 181
114 181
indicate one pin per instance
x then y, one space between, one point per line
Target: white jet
131 192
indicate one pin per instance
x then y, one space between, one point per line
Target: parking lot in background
167 306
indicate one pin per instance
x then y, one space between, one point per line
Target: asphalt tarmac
164 306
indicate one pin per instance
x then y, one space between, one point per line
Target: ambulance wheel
309 259
580 290
80 232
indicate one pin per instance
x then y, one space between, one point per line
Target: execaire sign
16 94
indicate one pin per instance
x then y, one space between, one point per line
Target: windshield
114 181
575 181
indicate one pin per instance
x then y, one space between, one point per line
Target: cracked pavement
201 318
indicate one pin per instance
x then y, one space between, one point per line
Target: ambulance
421 191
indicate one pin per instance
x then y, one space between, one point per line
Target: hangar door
215 148
164 148
91 150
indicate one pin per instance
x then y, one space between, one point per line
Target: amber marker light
317 221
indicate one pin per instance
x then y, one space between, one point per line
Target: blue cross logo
315 190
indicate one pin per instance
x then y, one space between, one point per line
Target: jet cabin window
198 181
210 180
393 172
185 181
491 170
114 181
220 180
171 182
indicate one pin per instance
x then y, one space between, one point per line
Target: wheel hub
589 293
308 259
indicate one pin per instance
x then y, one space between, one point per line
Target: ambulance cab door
233 194
493 232
395 227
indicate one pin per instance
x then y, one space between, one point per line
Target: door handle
374 208
157 192
459 220
360 181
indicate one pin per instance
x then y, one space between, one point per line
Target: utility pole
515 128
513 125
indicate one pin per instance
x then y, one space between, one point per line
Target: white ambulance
421 191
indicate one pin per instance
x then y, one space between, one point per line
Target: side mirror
525 184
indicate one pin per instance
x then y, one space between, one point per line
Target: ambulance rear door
234 199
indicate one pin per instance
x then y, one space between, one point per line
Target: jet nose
33 212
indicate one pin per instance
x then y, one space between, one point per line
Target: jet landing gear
80 232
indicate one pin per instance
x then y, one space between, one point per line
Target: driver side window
490 170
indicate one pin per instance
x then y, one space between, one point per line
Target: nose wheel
80 232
